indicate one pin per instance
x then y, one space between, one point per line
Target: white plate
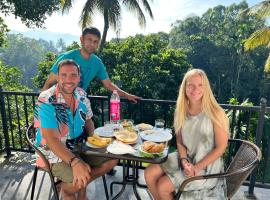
156 135
120 148
107 131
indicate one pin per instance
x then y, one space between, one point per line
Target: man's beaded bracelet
71 160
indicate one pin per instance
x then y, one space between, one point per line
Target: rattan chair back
243 155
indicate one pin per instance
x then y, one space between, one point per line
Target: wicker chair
243 155
30 137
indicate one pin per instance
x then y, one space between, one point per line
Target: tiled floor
16 178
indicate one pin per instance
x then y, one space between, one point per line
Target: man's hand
133 98
81 174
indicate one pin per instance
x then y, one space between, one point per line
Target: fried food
127 123
144 126
152 147
126 136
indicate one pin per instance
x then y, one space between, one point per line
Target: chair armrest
217 175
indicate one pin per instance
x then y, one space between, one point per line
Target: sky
165 12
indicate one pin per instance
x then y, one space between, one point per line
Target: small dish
120 148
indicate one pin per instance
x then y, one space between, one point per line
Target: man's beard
67 91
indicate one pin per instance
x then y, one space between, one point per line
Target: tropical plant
214 42
24 53
111 11
3 31
44 70
10 78
261 36
32 13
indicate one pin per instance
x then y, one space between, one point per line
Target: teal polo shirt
90 68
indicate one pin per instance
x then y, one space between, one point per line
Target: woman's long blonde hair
209 104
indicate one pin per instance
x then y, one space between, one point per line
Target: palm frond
147 8
87 14
115 15
66 5
267 64
134 7
261 10
259 37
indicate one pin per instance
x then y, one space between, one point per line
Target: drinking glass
159 123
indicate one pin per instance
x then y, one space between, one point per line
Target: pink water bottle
115 107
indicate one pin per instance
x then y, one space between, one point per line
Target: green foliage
10 78
143 65
3 31
44 69
73 45
45 65
32 12
214 42
24 53
261 36
111 12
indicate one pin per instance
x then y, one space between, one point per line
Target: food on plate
144 126
108 140
98 141
126 136
152 147
120 148
147 132
127 123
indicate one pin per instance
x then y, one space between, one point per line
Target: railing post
259 133
4 124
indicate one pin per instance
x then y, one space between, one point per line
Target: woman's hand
190 170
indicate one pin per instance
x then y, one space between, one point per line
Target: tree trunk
105 30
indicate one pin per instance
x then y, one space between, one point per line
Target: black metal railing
246 122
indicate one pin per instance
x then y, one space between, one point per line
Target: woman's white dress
198 137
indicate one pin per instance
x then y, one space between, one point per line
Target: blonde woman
202 133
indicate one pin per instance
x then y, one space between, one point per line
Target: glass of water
159 123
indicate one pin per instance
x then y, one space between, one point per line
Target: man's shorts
63 171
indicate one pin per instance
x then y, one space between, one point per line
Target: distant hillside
49 36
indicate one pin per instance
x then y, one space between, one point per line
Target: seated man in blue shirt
90 64
62 116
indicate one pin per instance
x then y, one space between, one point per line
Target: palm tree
111 11
262 36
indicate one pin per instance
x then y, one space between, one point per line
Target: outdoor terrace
246 122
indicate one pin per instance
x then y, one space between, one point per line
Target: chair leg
56 196
34 183
105 187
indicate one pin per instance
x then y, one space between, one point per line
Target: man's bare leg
103 169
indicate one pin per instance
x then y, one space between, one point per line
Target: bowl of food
151 149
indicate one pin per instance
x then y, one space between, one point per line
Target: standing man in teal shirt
91 65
